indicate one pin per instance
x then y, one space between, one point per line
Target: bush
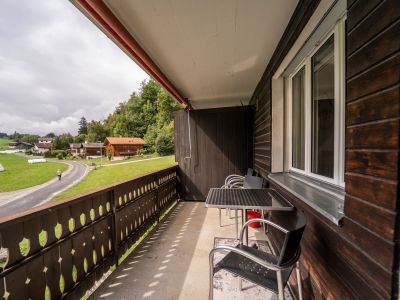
164 143
56 153
28 152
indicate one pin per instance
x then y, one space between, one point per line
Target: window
298 129
323 110
316 111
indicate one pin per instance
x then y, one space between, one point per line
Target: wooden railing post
157 198
114 225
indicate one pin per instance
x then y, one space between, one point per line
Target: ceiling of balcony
213 51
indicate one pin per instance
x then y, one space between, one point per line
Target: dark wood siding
221 145
360 259
261 98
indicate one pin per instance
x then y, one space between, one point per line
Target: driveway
21 200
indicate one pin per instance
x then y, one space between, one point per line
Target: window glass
323 110
298 128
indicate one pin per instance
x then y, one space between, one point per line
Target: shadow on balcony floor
172 262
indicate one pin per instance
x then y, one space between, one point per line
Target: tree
83 126
97 131
166 106
29 138
62 141
50 135
81 138
164 144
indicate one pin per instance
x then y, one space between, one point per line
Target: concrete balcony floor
172 262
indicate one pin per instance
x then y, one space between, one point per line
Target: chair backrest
253 182
294 222
250 171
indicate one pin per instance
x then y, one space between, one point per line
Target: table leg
247 228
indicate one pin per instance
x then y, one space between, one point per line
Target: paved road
18 201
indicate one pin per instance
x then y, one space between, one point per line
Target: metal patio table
243 199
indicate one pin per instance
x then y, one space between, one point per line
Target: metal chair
248 182
235 178
267 270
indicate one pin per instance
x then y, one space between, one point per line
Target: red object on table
251 214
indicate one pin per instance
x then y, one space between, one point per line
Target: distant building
45 140
87 150
42 147
123 147
93 150
20 145
76 149
3 135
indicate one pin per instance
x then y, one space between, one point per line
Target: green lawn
109 162
4 144
19 174
102 177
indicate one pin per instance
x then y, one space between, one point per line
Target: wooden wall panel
221 145
360 259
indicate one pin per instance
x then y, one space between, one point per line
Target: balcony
134 240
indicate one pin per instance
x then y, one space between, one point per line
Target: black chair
267 270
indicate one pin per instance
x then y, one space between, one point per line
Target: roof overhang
210 52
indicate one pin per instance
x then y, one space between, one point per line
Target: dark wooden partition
220 144
360 259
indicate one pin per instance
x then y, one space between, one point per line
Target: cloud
56 66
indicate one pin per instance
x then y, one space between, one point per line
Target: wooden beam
106 19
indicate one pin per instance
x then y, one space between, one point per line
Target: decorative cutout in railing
59 250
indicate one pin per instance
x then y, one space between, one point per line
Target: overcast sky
56 66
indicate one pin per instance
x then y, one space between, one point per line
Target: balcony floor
172 262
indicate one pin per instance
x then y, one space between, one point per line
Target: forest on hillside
147 114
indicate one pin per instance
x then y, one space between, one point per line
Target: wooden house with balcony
306 93
120 147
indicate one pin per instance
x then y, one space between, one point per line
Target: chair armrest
233 176
244 254
270 223
233 184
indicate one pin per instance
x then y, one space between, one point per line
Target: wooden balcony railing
61 249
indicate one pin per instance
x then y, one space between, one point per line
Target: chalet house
20 145
305 93
87 150
93 150
75 149
45 140
123 146
42 147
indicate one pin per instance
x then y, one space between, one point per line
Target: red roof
125 141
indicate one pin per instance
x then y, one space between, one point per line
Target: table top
266 199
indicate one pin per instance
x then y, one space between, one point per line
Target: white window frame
338 31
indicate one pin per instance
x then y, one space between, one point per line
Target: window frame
338 32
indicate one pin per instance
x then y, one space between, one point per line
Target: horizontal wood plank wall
372 140
359 260
261 98
221 142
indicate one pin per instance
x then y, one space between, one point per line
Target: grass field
105 176
19 174
105 161
4 144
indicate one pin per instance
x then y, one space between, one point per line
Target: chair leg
263 216
280 285
299 281
240 284
220 223
211 282
236 223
